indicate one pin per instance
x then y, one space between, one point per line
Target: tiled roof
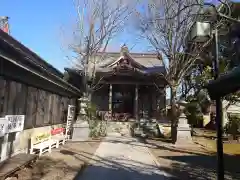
146 59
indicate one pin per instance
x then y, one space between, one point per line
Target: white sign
3 126
71 111
15 123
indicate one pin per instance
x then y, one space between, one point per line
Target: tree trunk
173 114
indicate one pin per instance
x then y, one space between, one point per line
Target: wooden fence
41 108
32 87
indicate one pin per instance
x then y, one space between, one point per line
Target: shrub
233 126
91 111
193 114
97 127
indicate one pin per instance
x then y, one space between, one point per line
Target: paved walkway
122 158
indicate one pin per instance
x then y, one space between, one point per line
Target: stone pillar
110 99
81 130
184 137
136 102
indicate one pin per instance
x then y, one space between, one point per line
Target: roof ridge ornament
124 50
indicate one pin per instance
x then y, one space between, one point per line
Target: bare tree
98 22
165 24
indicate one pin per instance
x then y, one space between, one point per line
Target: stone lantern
83 104
184 137
81 126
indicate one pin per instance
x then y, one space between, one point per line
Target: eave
18 63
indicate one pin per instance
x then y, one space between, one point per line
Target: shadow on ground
57 165
174 162
184 163
120 173
177 162
192 164
116 168
48 168
198 167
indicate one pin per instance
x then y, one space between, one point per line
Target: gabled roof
147 60
127 56
110 62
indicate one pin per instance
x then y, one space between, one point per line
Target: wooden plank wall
40 107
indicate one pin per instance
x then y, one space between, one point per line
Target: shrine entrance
129 87
123 99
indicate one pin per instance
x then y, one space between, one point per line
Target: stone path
121 158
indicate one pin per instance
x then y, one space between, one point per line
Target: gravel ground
63 163
191 162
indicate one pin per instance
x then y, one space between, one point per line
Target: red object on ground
57 131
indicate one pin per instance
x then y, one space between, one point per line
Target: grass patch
194 162
211 145
204 137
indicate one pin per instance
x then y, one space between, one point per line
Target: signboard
70 116
3 126
15 123
71 111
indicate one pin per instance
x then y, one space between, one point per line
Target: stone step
122 128
80 131
114 134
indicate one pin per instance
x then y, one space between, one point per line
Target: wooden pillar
110 99
136 102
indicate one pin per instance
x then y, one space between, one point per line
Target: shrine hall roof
148 60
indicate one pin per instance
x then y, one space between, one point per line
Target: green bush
233 126
97 127
193 114
91 111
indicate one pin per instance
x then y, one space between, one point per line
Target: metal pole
219 114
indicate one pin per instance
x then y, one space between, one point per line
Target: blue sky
42 26
37 25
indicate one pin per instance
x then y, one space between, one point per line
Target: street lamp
201 32
228 82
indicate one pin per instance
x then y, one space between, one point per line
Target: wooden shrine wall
151 103
41 108
100 98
